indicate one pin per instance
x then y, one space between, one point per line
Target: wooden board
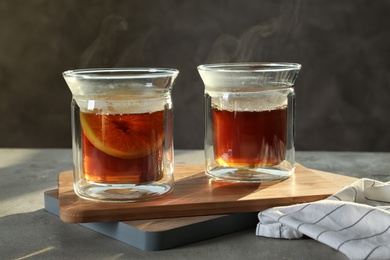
167 233
162 234
195 195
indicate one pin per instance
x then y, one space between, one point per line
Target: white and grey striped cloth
355 221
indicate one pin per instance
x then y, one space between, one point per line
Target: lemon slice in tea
124 135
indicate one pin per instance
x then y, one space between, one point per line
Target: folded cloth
355 220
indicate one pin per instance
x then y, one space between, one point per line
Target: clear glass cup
250 117
122 132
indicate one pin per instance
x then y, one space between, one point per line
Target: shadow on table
28 171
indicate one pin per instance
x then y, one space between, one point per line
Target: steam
101 53
118 45
136 51
251 43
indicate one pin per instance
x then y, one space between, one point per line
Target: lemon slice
124 136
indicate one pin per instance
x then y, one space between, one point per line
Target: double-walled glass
250 114
122 132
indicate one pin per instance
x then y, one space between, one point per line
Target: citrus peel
124 136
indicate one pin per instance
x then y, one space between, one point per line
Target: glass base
121 192
250 175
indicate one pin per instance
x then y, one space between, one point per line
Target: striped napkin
355 221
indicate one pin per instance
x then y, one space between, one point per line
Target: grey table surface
27 231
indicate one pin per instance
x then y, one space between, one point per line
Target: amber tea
250 119
122 133
249 138
122 148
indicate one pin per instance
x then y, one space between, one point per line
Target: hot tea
250 118
122 133
249 138
122 148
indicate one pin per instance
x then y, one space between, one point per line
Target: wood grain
195 195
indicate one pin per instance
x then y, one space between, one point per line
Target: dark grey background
342 91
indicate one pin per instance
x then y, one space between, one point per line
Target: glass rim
121 73
240 67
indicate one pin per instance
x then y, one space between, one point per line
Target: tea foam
249 101
122 105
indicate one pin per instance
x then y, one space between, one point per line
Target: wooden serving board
166 233
195 194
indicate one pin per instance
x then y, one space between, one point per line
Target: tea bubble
250 101
122 104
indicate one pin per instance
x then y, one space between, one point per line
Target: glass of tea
250 116
122 132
